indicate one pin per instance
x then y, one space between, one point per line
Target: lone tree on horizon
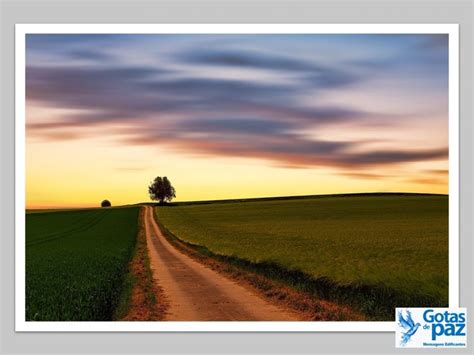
105 203
161 190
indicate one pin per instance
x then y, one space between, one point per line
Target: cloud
437 171
248 60
89 54
111 94
170 99
364 176
235 126
275 142
207 89
391 156
318 75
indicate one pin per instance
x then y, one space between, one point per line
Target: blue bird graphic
409 325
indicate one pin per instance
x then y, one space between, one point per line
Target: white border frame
21 30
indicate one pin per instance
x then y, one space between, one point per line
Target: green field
76 261
372 251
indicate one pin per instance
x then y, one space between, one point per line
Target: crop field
76 261
371 251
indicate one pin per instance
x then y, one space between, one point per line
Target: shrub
106 203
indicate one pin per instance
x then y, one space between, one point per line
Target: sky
233 116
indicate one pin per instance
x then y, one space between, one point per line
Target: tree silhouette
106 203
161 190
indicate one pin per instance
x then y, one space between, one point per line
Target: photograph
218 175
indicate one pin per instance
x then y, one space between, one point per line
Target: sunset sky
228 116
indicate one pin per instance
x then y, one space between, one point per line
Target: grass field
76 261
372 251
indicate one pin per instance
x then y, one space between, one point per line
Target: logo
431 327
408 325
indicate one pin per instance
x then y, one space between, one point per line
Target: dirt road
197 293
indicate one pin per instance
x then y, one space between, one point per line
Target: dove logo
407 323
431 327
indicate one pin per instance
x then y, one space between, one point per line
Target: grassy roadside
141 299
274 290
374 301
371 252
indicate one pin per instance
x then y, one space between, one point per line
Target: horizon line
244 199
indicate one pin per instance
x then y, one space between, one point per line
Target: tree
161 190
106 203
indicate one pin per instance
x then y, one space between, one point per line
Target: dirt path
196 293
